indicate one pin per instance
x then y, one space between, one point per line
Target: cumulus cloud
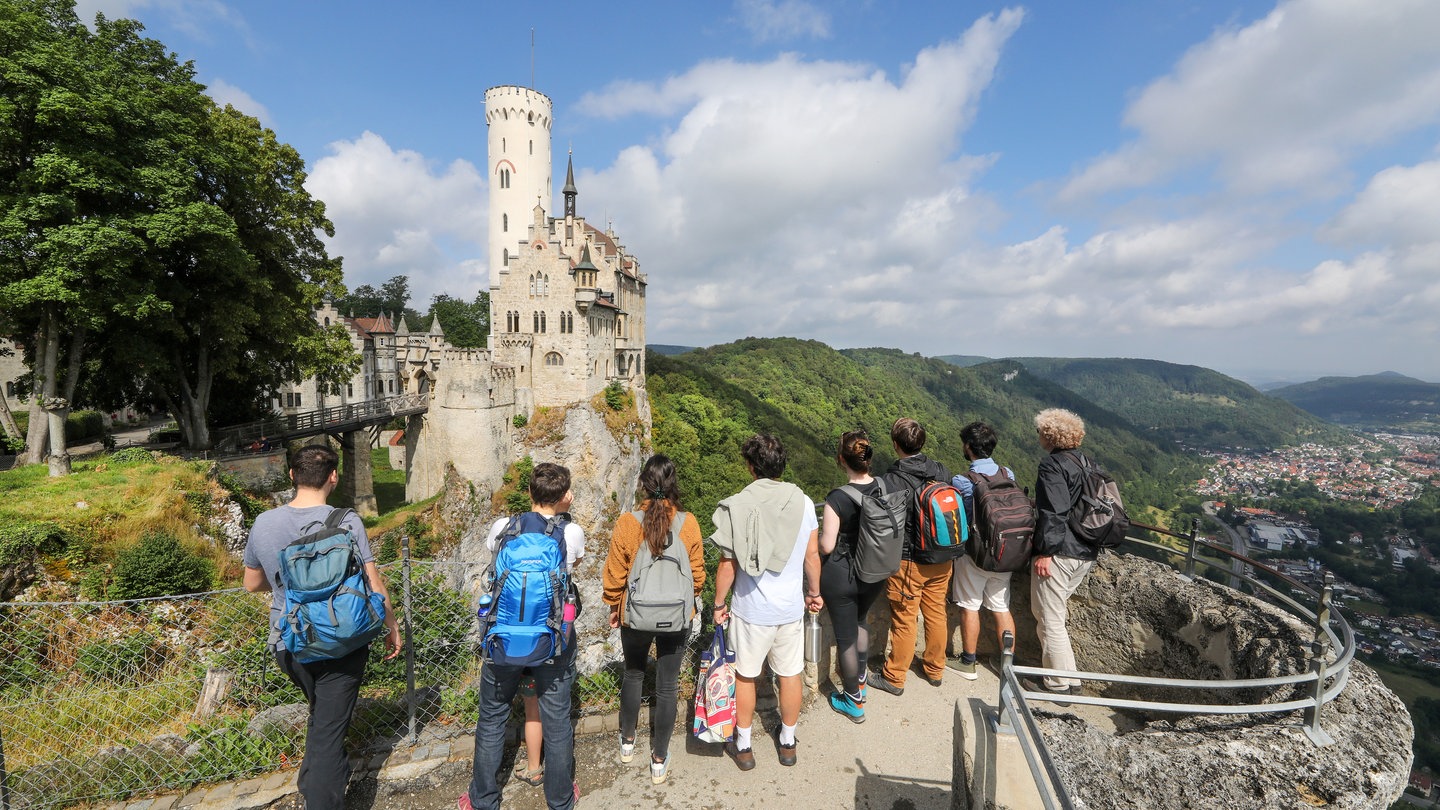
1400 206
1281 104
788 177
397 214
777 20
226 93
198 18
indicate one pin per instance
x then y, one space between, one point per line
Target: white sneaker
659 770
627 750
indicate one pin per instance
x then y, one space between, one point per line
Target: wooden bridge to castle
354 425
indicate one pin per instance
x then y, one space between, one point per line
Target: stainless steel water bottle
812 636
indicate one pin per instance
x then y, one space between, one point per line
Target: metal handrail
282 427
1013 709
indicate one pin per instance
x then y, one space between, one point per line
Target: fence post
1194 543
1007 660
410 696
1320 649
4 776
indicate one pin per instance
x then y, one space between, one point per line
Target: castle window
532 285
327 320
504 178
350 390
532 147
505 222
536 318
542 322
391 385
554 359
502 145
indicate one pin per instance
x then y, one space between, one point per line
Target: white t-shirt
773 599
574 539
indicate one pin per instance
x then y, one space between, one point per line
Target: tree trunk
7 419
56 407
37 432
193 412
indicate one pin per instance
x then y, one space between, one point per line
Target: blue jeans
498 684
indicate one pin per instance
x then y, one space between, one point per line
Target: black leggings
848 600
636 646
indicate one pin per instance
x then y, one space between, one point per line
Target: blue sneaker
847 705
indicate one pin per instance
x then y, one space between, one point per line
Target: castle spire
569 189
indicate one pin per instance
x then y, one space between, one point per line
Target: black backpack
1098 518
1002 536
875 549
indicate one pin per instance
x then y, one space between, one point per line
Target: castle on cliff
567 318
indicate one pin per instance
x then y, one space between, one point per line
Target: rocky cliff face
1135 616
604 466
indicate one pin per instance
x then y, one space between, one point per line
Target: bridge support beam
357 482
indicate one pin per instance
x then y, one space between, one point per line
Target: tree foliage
365 301
466 325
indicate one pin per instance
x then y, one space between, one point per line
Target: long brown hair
660 486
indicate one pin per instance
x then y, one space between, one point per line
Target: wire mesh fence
102 701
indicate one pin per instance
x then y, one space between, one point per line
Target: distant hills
707 401
1387 401
669 350
1195 406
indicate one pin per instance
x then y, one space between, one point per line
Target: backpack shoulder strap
850 490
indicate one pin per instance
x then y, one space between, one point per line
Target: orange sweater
625 544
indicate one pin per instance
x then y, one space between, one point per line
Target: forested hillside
1189 404
1386 401
706 402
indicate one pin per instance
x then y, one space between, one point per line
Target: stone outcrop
1140 617
603 468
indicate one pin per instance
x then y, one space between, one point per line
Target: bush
616 396
11 445
83 426
132 455
160 566
520 420
26 540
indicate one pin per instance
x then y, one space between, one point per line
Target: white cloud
226 93
197 18
396 214
1400 206
1282 104
788 177
772 20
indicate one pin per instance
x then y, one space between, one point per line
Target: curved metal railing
1326 678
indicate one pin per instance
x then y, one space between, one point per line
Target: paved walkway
904 756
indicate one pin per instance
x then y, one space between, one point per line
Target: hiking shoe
659 770
744 759
968 670
627 750
843 703
787 752
1039 686
883 685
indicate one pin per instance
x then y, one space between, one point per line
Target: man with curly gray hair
1062 560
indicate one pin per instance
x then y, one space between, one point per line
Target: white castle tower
518 120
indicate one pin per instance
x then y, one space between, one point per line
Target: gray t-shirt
278 528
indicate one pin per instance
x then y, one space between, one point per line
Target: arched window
505 223
536 318
502 145
554 359
327 320
542 322
505 257
504 178
532 147
532 285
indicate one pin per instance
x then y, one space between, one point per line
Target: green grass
389 484
1405 683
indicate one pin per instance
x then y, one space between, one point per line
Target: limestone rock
1135 616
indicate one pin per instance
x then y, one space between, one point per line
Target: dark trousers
636 646
849 601
498 684
331 688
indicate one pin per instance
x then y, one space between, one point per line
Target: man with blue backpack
329 603
527 615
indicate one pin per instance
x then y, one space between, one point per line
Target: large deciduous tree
465 325
142 226
92 129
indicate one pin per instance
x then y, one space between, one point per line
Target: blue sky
1248 186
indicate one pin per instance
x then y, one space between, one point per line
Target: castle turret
569 190
518 120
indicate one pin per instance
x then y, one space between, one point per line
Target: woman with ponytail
659 508
847 597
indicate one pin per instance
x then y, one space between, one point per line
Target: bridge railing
1331 652
283 427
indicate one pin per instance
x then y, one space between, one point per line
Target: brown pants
914 590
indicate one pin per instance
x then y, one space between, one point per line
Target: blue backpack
522 621
330 610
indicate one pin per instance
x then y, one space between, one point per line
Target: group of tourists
777 561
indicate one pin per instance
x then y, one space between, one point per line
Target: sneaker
744 758
1039 686
929 680
627 750
883 685
861 697
968 670
848 706
659 770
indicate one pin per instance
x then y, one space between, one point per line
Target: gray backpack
875 550
661 596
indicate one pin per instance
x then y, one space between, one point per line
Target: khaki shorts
971 586
782 646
